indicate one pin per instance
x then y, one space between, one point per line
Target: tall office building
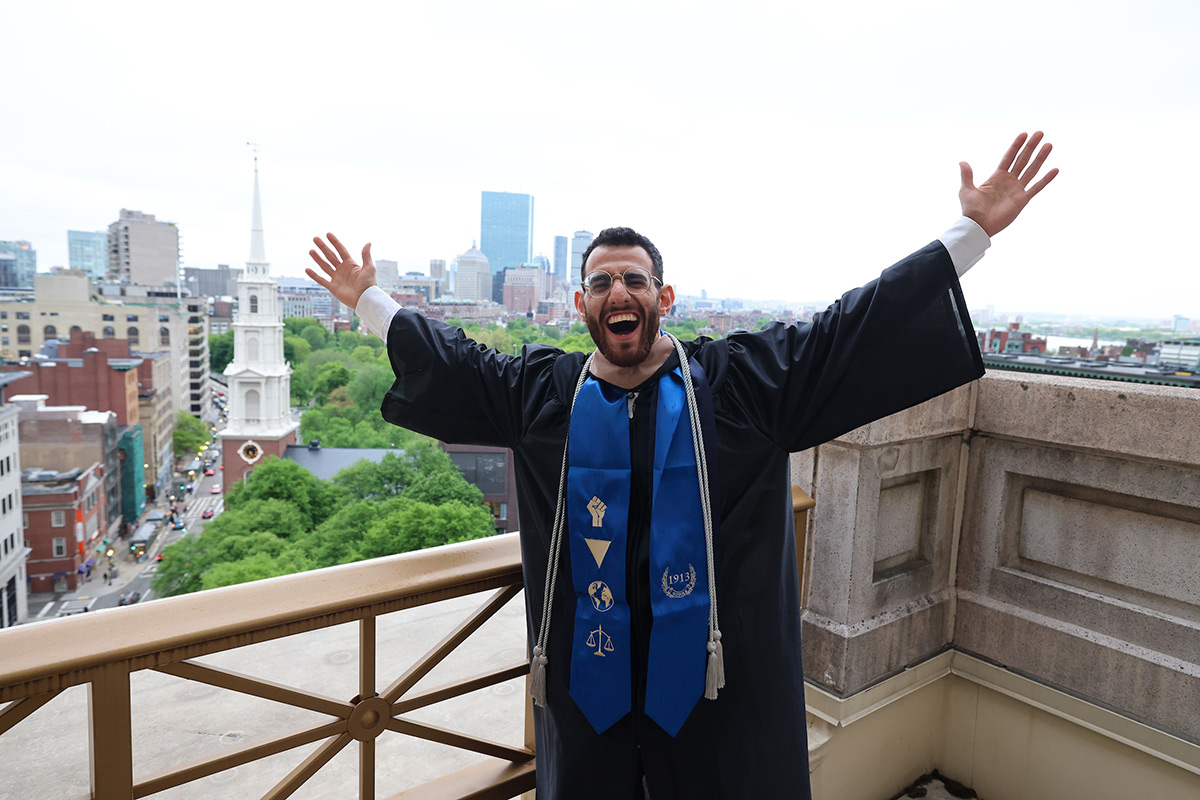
579 244
143 250
437 271
472 276
87 251
17 272
506 229
561 263
386 272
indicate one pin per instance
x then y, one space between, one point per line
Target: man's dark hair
624 237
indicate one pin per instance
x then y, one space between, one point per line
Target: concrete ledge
1142 420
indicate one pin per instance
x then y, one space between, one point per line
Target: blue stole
597 508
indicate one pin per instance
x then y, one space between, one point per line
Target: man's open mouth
622 323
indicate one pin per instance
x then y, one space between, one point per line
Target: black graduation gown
898 341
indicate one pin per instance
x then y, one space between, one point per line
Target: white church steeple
260 420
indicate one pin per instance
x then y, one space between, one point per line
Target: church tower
260 422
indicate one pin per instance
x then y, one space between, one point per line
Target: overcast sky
771 150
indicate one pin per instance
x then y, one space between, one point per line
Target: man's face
623 325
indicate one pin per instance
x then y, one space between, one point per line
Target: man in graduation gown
896 342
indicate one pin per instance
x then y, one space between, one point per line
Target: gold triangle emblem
599 548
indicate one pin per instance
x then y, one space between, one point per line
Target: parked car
129 599
207 514
178 525
216 489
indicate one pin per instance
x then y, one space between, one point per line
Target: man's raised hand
996 202
344 277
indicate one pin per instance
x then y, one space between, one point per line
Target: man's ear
579 305
666 299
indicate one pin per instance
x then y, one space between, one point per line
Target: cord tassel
714 674
537 676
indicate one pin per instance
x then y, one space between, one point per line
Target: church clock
250 452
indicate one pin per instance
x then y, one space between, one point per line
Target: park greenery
283 519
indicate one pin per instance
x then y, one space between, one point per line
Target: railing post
110 733
801 503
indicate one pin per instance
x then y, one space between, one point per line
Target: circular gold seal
601 596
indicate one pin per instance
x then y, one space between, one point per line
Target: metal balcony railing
103 649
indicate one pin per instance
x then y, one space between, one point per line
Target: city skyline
806 152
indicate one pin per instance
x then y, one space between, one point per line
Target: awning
91 562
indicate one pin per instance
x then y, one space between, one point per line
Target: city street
136 577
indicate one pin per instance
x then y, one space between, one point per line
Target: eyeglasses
636 280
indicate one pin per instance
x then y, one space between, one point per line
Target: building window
50 332
22 315
164 335
253 304
131 318
76 329
109 318
22 334
58 519
60 547
109 332
132 334
163 318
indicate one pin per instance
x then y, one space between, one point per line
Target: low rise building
63 438
65 519
14 547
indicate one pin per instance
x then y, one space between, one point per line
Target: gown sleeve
898 341
455 389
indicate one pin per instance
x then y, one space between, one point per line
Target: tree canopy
283 520
189 434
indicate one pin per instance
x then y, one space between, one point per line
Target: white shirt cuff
966 242
376 309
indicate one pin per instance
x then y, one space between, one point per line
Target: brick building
63 438
92 380
523 288
65 520
156 408
1010 340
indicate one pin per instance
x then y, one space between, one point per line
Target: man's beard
625 357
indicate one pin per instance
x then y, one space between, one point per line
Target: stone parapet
1047 524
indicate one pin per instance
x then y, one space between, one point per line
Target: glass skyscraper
88 251
506 229
23 263
561 263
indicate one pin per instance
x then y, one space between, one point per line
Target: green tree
190 433
369 385
285 480
415 526
443 486
316 336
333 375
220 351
296 350
181 568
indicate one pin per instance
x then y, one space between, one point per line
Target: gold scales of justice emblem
600 640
